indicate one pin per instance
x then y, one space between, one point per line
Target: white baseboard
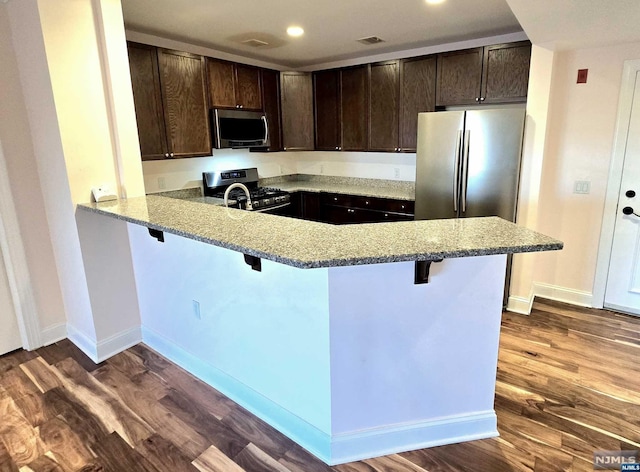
53 334
118 342
571 296
332 449
394 439
563 294
103 350
521 305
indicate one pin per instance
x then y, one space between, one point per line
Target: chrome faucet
246 191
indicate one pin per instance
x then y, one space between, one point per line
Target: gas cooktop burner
262 198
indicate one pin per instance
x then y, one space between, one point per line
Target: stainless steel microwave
239 128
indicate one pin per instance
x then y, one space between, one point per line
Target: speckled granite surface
307 244
395 189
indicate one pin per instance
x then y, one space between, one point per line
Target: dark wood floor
568 384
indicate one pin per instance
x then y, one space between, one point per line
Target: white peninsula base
350 362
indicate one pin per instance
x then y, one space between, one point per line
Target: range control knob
630 193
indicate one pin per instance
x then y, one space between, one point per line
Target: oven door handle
274 207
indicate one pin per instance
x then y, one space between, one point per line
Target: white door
623 280
9 334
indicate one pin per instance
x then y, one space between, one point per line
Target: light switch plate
582 186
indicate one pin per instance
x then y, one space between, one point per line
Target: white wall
579 144
186 173
74 74
26 190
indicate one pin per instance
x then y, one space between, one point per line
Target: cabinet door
182 80
311 208
326 86
271 101
296 89
221 84
384 99
248 87
506 72
459 77
417 94
354 98
147 98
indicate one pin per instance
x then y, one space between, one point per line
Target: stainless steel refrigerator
468 163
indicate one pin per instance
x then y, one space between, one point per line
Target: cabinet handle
366 203
402 206
166 154
284 148
477 99
337 148
335 199
171 154
482 99
242 106
351 211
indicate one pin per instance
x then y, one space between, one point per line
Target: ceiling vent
371 40
255 43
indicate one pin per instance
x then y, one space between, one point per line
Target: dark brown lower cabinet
350 209
346 209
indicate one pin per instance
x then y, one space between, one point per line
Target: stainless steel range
241 187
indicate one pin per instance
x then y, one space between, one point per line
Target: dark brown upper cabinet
417 95
170 101
271 102
384 102
459 77
233 85
296 90
326 87
147 98
354 108
493 74
505 74
186 116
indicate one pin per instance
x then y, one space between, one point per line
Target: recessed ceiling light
434 2
295 31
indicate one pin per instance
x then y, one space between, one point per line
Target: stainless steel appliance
239 128
468 163
215 184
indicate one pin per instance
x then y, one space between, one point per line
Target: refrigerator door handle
465 168
456 171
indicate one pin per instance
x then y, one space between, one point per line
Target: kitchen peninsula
331 342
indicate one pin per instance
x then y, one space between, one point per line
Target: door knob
630 193
629 211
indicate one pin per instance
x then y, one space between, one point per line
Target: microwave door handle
266 128
217 121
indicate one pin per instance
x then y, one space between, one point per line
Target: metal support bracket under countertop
156 233
254 262
422 271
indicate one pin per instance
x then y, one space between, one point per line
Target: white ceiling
576 24
333 26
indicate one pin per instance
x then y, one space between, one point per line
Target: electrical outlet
196 309
396 172
161 183
582 186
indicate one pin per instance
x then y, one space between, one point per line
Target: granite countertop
395 189
308 244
